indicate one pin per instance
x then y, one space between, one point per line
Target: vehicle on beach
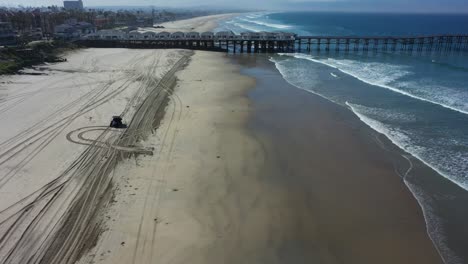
117 122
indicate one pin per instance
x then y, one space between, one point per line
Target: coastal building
101 21
73 5
73 29
31 35
7 35
36 34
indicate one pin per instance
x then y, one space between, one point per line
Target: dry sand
174 207
199 24
57 154
47 120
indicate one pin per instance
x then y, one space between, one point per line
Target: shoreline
440 198
225 188
351 121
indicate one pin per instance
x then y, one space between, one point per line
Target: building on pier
285 36
134 35
207 35
268 35
108 34
225 35
178 35
163 35
192 35
149 35
250 35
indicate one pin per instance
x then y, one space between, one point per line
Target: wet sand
344 175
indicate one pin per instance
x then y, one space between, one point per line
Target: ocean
417 100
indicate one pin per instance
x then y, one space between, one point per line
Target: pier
271 42
383 43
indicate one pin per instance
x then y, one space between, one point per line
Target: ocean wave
400 127
254 16
383 75
290 75
433 224
439 152
266 24
435 154
404 140
257 15
249 28
456 97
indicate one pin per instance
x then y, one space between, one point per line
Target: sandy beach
199 24
222 162
57 151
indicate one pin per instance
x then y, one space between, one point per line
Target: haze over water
419 101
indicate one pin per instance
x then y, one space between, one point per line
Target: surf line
305 57
368 121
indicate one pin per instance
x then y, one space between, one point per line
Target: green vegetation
14 59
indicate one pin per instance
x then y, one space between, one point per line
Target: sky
433 6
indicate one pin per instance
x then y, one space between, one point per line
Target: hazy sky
331 5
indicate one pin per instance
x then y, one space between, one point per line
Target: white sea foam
262 23
287 73
433 225
405 142
334 75
379 74
450 165
436 152
455 97
257 15
246 27
398 137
